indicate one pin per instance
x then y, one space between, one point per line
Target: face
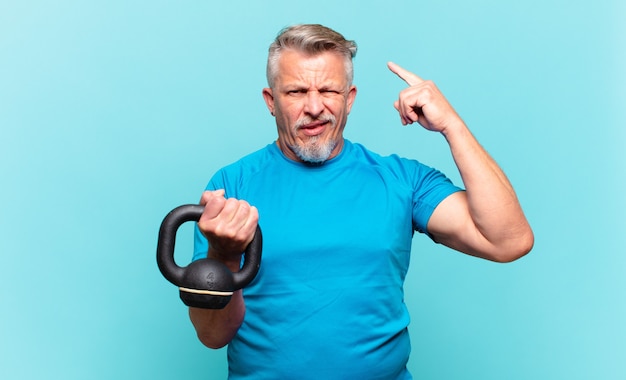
311 101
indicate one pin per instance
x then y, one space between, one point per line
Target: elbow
214 329
215 339
515 249
212 342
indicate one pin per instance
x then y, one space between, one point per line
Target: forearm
216 328
491 200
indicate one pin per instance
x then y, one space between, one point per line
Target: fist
228 224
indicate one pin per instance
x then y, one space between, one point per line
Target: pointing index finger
407 76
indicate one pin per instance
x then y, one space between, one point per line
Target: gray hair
311 39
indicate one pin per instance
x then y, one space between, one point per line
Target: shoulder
400 167
253 161
247 166
425 181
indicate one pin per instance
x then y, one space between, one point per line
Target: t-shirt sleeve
430 188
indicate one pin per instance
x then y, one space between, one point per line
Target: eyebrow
322 87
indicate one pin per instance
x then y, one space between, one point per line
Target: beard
314 150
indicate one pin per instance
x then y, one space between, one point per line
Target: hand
228 224
422 102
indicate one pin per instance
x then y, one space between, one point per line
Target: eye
296 92
329 92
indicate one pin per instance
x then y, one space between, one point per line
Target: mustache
308 120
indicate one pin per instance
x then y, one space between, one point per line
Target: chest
325 224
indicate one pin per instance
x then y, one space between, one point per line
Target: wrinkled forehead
327 67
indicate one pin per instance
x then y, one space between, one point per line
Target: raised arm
229 226
486 220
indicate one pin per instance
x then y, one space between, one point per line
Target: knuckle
244 207
205 197
231 204
215 202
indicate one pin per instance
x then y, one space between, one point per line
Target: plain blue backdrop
114 112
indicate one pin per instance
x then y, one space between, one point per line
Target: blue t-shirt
328 301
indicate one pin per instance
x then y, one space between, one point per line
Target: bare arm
486 220
216 328
229 226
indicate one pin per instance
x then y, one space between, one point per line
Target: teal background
114 112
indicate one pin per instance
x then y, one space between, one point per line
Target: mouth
314 128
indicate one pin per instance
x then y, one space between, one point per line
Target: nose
313 104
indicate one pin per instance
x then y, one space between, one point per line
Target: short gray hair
312 39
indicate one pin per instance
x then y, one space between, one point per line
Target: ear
351 97
268 96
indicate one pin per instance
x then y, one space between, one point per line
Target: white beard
313 151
